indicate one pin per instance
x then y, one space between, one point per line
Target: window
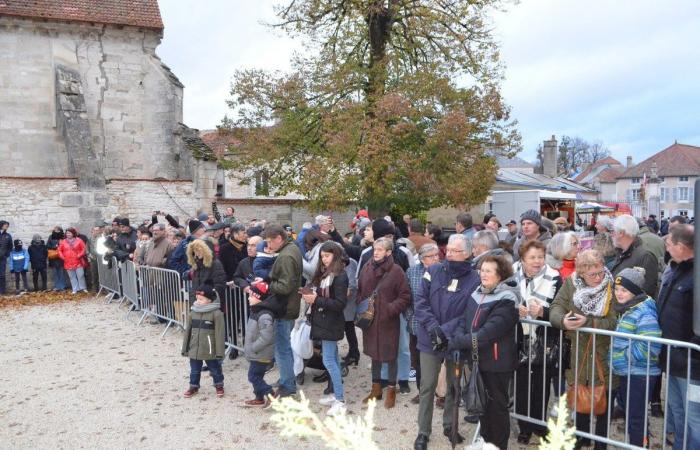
683 212
683 179
262 183
662 179
663 195
636 180
683 194
636 194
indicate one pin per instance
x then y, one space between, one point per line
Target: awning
591 207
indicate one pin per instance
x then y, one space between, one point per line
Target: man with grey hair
631 252
439 305
464 224
159 249
484 243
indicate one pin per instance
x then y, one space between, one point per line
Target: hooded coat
492 317
381 339
38 254
204 334
207 270
19 260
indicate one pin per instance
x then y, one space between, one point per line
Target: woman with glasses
538 284
585 300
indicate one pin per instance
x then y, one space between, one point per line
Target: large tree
393 103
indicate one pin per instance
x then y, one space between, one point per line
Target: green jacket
285 278
563 303
654 244
204 336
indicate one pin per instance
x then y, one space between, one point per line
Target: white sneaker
337 408
327 400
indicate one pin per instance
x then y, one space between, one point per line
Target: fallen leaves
41 298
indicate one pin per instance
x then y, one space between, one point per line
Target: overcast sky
624 72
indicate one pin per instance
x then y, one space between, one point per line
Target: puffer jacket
631 356
492 317
260 335
438 304
207 270
327 319
72 254
19 260
38 255
204 334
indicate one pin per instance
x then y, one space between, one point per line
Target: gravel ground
77 375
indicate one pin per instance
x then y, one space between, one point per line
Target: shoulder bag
364 315
475 396
586 397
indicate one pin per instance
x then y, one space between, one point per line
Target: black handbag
475 395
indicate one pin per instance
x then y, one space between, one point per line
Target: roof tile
676 160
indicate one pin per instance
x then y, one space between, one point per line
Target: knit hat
207 291
124 222
631 279
18 243
382 227
533 215
363 222
202 217
36 237
194 225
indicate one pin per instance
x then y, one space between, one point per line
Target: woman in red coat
72 251
381 339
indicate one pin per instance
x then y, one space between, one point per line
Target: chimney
549 157
629 162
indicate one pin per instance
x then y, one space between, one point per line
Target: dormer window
636 180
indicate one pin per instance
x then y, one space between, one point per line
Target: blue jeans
331 360
256 377
404 358
284 357
77 279
677 392
214 369
637 406
59 282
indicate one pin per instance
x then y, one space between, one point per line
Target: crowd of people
426 299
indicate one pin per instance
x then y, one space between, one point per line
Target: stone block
72 199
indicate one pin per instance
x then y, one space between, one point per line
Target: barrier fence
545 354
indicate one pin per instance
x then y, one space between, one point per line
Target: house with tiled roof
601 176
670 176
91 118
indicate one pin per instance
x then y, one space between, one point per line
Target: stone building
91 118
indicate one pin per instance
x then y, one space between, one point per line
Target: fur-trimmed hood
204 247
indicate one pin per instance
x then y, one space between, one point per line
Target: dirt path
77 375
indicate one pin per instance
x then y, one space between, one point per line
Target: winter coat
207 270
5 244
563 303
243 271
158 252
126 244
381 339
178 258
544 238
52 243
350 310
204 335
260 336
327 319
652 242
631 356
675 306
38 255
493 317
285 278
19 260
638 256
438 304
72 255
231 253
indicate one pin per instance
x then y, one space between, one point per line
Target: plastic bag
302 345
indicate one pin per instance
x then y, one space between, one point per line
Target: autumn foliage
394 103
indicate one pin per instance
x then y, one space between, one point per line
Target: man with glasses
631 253
439 304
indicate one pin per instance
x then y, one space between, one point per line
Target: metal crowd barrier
130 289
545 379
235 317
108 274
162 296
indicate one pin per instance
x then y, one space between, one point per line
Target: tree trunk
379 21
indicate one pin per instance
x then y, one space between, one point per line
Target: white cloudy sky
624 72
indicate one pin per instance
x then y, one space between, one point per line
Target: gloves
438 339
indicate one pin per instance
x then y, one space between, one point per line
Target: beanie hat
18 242
124 222
194 225
533 215
631 279
207 291
363 222
382 227
548 225
36 237
202 217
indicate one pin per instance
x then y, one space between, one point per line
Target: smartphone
571 317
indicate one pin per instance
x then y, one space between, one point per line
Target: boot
390 399
375 393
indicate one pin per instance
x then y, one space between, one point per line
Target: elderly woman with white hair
631 253
561 253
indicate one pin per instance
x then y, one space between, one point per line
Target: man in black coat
126 241
5 249
244 271
233 251
675 309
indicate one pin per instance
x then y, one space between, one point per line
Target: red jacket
72 255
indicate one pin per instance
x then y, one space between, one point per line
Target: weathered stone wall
133 102
35 205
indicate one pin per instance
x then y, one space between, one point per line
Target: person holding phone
585 300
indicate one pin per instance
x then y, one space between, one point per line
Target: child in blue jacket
19 264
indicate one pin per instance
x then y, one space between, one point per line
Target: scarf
542 287
325 286
593 300
213 306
